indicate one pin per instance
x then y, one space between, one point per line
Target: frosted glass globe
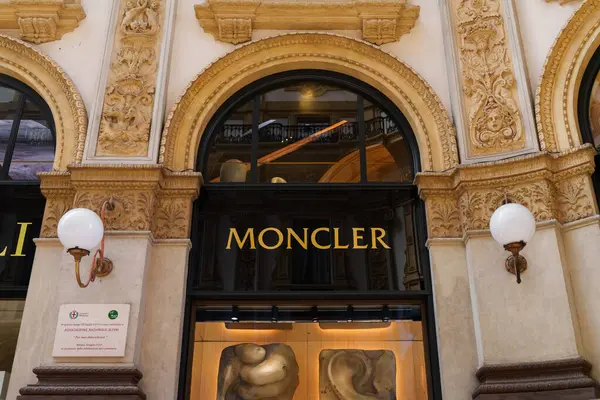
512 223
81 228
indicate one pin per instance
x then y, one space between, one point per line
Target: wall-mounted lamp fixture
80 230
513 226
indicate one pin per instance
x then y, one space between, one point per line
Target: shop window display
308 273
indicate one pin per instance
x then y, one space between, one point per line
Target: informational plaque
91 330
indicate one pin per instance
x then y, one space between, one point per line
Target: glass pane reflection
309 133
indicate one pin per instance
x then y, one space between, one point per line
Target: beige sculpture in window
251 371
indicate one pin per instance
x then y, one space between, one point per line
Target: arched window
589 110
309 241
27 143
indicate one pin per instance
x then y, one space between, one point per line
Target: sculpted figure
253 372
357 375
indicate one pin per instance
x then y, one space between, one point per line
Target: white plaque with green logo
91 330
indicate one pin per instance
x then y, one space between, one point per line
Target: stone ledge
381 21
561 379
74 383
41 21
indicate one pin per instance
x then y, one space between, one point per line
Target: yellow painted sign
20 242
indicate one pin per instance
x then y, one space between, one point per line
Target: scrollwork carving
129 100
552 187
495 123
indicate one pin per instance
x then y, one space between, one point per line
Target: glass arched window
27 143
589 110
309 239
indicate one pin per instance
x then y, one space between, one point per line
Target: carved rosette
552 186
129 100
494 121
146 197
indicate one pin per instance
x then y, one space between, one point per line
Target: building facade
296 198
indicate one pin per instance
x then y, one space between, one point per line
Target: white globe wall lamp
513 226
80 230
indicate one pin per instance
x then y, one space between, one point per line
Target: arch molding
221 80
557 94
24 63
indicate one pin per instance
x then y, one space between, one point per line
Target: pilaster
127 123
530 326
491 96
149 274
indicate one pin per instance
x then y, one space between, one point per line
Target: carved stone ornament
261 372
381 21
129 100
357 374
556 103
41 21
561 2
146 197
552 186
494 121
426 114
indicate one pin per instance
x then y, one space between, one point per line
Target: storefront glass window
304 353
27 145
308 132
308 271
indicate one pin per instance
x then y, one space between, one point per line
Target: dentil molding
381 21
41 21
553 186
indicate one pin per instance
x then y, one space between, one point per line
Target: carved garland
54 75
182 110
129 99
495 123
556 83
551 186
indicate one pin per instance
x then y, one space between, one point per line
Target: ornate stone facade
146 197
41 21
552 186
129 100
426 114
494 121
380 21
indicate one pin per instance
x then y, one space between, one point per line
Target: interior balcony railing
273 132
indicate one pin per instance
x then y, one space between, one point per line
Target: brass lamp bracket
515 263
101 266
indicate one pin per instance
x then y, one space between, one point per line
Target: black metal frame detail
21 197
422 298
583 111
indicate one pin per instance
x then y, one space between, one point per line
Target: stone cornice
41 21
561 2
147 197
381 21
553 186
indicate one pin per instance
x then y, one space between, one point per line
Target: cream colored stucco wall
193 49
540 23
81 52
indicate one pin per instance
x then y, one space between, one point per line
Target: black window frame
24 195
423 298
583 112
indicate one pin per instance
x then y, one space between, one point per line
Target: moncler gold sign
362 238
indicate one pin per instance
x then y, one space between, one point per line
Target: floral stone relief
129 99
